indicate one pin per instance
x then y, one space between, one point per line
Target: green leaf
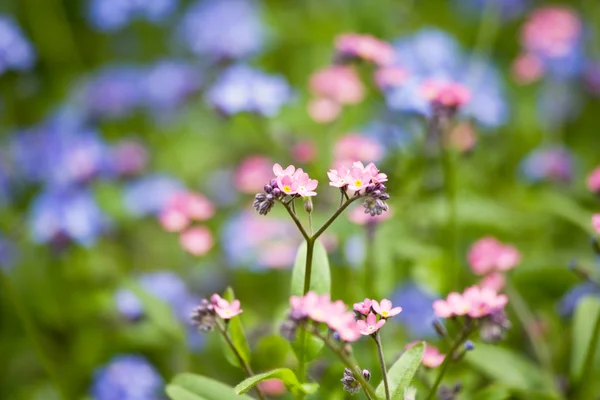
286 375
320 281
401 374
564 207
492 392
196 387
238 337
158 312
584 320
507 367
271 352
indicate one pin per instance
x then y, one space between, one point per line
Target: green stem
369 271
588 364
296 220
449 358
33 336
310 246
334 216
382 365
241 360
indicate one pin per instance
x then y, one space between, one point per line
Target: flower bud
366 374
469 345
308 205
440 329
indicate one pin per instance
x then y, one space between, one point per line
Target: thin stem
241 360
334 216
488 29
296 220
449 358
382 365
588 362
301 360
369 270
310 224
310 246
349 363
33 336
342 195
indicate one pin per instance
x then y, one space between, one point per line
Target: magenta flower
483 301
371 325
593 181
384 309
365 307
364 47
488 254
346 326
596 222
447 94
225 309
376 176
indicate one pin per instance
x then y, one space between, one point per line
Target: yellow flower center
287 188
384 313
358 182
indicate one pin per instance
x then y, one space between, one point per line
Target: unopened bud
469 345
308 205
440 329
366 374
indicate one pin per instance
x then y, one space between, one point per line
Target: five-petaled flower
475 302
371 325
364 307
384 309
225 309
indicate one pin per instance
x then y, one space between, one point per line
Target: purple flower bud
268 188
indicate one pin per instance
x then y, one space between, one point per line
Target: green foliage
286 375
238 337
585 340
401 374
196 387
321 276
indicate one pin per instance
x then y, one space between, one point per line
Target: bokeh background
109 107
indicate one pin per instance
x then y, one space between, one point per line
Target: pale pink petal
596 222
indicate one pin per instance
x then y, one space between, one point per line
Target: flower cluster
474 302
367 312
491 258
127 377
180 211
349 381
204 315
445 95
320 309
352 46
16 52
362 180
287 182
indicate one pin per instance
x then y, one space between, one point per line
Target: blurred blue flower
66 213
508 9
417 311
16 52
433 54
112 15
168 83
241 88
149 194
4 179
223 28
8 253
548 163
127 377
570 300
558 102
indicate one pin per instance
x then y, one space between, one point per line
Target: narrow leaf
584 321
320 281
401 374
492 392
286 375
238 337
196 387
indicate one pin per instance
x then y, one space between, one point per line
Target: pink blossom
364 307
305 186
463 137
197 240
294 181
225 309
551 31
376 176
527 68
494 280
183 207
371 325
272 387
488 254
593 181
365 47
454 304
596 222
359 178
353 146
280 172
483 301
252 173
304 151
388 77
129 157
346 326
339 178
358 216
448 94
324 110
338 83
384 309
173 220
199 207
432 357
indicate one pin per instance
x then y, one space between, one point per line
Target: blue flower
168 83
570 300
548 163
16 53
417 311
70 213
508 9
149 194
433 54
127 377
112 15
244 89
8 253
557 102
223 28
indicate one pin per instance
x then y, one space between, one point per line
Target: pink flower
593 181
252 173
488 254
494 280
305 186
199 207
359 178
173 220
432 357
352 147
304 151
129 157
447 94
346 326
389 77
365 47
339 178
376 176
225 309
364 307
324 110
371 325
454 304
527 68
183 207
385 308
596 222
196 241
551 31
280 172
272 387
358 216
338 83
483 301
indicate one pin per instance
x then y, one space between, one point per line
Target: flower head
596 222
16 52
370 325
225 309
593 181
363 307
197 240
364 47
384 309
432 357
446 94
338 83
488 254
476 302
